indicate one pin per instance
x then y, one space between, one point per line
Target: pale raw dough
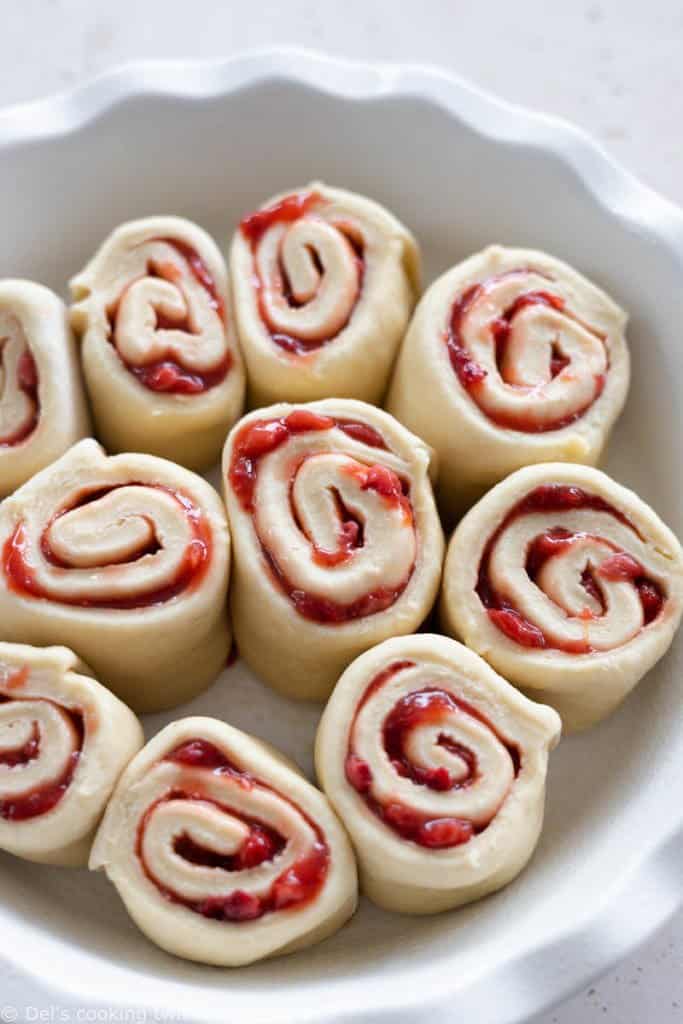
190 429
294 505
400 874
152 655
474 451
365 326
278 803
33 320
583 687
40 685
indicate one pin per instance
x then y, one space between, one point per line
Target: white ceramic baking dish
210 141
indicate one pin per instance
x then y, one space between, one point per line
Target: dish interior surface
604 872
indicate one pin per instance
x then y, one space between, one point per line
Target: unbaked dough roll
437 767
568 584
42 402
324 282
160 356
222 851
126 560
64 741
337 541
511 358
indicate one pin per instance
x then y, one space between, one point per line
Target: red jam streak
384 482
349 539
284 211
41 799
259 438
471 374
166 375
363 433
287 211
428 706
351 535
331 613
619 566
201 272
22 577
12 756
294 887
27 381
421 708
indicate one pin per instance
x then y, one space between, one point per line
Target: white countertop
612 66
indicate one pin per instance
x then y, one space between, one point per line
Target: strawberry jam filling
287 211
349 538
619 566
260 437
294 886
27 381
429 706
471 374
284 211
18 558
12 756
168 375
31 803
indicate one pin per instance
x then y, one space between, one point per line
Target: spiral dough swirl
568 569
160 359
225 816
321 278
338 517
210 840
45 739
308 272
426 754
42 402
524 356
63 741
523 361
127 547
19 407
98 538
430 766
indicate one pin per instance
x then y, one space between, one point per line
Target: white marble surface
612 66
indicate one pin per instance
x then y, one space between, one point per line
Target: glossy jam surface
330 613
286 211
257 439
27 381
386 483
169 376
40 799
22 578
260 437
294 887
423 707
620 566
471 374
